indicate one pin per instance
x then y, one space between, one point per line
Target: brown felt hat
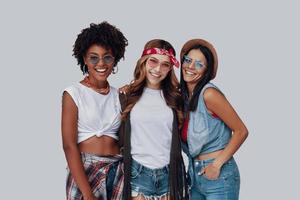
194 42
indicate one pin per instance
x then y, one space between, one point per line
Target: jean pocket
227 170
208 179
135 171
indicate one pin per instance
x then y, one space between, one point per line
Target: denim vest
206 133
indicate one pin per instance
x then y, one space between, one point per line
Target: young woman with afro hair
91 117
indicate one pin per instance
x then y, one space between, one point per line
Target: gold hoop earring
115 69
85 69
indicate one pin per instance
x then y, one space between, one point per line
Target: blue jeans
110 179
149 182
227 185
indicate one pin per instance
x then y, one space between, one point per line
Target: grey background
258 46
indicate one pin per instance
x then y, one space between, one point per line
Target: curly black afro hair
103 34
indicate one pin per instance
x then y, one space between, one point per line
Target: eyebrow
106 53
158 60
202 62
153 58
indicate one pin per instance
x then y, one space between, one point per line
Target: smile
101 70
154 74
189 73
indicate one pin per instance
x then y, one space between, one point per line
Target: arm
72 153
218 104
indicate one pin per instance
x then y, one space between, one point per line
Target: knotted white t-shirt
97 114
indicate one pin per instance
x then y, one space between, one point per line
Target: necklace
103 91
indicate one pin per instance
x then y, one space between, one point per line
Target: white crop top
97 114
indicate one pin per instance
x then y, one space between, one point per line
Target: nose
100 62
191 65
157 68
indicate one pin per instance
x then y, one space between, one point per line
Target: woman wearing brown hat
212 130
152 115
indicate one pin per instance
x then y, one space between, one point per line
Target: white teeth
155 75
189 73
101 70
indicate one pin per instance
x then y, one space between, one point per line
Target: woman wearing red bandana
152 115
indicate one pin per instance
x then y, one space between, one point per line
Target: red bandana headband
159 51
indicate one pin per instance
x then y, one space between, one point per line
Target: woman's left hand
211 172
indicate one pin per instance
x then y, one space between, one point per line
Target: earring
115 69
85 69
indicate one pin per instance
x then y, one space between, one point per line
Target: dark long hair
192 105
173 98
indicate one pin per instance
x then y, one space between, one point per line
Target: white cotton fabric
151 130
97 114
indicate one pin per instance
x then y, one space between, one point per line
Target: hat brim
194 42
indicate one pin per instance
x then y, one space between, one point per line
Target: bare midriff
208 155
102 146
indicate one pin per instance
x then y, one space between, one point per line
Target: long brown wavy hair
169 86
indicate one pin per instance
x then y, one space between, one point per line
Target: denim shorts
226 186
149 182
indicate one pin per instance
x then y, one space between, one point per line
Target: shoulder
213 95
72 92
211 90
114 90
114 93
72 88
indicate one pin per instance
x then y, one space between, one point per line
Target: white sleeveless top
151 130
97 114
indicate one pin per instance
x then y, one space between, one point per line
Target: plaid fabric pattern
96 169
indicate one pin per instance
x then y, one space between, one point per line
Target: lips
154 74
100 70
189 73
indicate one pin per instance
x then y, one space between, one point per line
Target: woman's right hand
124 89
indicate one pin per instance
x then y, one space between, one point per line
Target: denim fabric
226 187
206 134
149 182
110 180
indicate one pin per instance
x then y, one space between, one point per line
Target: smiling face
194 67
99 62
157 68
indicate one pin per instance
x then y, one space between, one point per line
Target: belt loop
140 167
167 168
